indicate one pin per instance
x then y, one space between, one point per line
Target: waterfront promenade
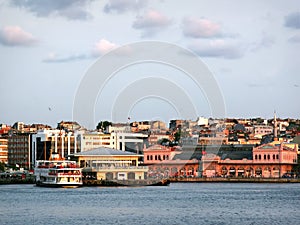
235 180
31 180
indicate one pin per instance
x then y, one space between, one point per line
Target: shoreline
168 181
234 180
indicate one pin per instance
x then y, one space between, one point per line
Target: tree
2 166
164 141
102 125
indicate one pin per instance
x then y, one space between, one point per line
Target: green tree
102 125
163 141
2 166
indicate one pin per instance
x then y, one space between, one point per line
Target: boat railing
64 173
119 167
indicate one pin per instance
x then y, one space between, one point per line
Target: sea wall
241 180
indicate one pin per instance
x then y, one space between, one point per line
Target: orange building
269 160
161 163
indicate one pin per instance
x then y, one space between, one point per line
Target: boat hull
58 185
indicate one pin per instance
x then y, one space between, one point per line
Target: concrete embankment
18 181
115 183
236 180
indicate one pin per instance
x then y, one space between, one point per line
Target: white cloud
103 46
151 22
55 58
100 48
200 28
16 36
293 20
70 9
217 48
121 6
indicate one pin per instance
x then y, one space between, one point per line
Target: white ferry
57 173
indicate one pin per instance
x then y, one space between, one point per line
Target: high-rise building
19 150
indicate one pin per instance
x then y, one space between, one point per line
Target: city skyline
46 50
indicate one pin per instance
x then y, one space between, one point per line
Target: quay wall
236 180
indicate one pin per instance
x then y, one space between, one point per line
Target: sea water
179 203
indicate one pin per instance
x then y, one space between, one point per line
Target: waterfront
179 203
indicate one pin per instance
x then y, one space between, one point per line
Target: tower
275 127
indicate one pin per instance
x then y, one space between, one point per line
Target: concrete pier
236 180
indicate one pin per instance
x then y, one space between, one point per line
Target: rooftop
103 151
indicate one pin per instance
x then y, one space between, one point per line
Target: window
277 156
265 157
268 157
259 157
273 157
256 157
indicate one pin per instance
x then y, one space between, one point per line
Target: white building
91 140
45 142
127 141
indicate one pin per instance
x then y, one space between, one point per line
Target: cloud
102 47
200 28
294 39
70 9
217 48
55 58
151 22
121 6
293 20
16 36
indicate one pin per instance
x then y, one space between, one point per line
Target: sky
47 48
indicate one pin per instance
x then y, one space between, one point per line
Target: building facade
111 164
161 163
46 142
3 150
269 161
19 150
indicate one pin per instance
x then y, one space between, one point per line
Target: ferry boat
57 173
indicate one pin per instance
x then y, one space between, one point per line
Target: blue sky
46 48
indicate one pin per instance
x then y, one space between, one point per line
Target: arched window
265 157
268 157
256 157
273 157
277 156
224 171
258 171
259 157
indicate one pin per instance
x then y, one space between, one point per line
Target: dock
131 183
235 180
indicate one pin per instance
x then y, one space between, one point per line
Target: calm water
181 203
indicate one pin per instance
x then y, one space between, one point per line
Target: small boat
57 173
